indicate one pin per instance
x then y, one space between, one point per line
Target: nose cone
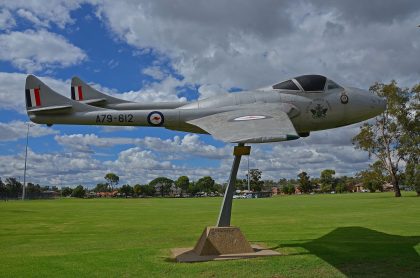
366 105
378 104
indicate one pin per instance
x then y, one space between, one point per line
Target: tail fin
80 91
42 99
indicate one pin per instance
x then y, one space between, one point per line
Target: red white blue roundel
250 118
155 118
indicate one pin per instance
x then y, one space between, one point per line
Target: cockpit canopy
307 83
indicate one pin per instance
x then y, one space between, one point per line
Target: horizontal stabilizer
95 102
42 99
82 92
56 108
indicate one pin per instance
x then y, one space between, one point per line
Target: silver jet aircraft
284 111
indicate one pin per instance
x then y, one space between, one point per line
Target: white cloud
84 142
215 46
34 51
250 44
144 159
328 149
12 90
211 90
177 148
53 168
134 158
161 90
6 20
52 11
155 72
28 15
15 130
117 128
164 90
188 146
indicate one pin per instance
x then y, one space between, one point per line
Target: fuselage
312 111
312 103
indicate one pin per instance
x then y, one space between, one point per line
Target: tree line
372 180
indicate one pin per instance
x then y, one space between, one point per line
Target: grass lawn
356 235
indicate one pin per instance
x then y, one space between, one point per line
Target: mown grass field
356 235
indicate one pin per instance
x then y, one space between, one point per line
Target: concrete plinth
221 243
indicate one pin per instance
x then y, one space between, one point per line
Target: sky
172 50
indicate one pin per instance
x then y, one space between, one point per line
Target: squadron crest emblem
319 111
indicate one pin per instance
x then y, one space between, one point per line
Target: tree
13 187
255 181
101 187
148 190
269 184
391 136
33 190
373 178
217 188
162 184
412 176
410 141
288 189
193 188
137 189
241 184
327 180
66 191
205 184
304 182
340 187
78 192
126 190
3 190
283 182
112 179
341 184
183 182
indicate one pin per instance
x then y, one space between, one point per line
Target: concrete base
187 255
221 243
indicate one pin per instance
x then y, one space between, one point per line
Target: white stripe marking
249 118
32 94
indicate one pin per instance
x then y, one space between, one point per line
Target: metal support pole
26 156
226 209
249 178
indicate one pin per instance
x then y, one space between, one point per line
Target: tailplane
82 92
41 99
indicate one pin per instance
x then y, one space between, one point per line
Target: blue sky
185 50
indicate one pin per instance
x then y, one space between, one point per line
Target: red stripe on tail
37 97
79 90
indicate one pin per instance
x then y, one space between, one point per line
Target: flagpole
26 157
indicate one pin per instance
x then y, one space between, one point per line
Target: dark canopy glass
312 82
286 85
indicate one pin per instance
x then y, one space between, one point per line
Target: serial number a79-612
121 118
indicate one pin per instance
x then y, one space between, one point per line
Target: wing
259 124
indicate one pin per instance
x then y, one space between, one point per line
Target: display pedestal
221 243
224 242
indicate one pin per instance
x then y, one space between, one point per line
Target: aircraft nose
383 103
364 105
378 104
